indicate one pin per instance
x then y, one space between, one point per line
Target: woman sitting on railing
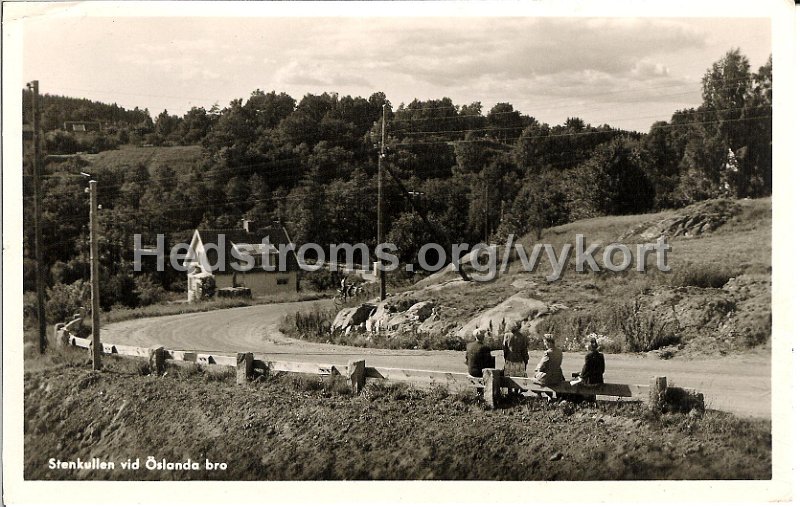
548 371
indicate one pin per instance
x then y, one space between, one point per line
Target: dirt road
741 385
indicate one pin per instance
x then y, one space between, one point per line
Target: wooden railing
358 374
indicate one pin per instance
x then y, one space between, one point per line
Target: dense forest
311 164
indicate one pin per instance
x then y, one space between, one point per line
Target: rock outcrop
701 218
351 318
519 308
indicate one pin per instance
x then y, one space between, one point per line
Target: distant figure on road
515 352
594 366
548 371
479 355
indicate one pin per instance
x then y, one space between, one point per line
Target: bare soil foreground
296 427
738 384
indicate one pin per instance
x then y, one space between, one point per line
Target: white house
214 253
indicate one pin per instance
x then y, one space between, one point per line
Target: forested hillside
478 171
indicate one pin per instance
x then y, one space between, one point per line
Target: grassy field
179 158
294 427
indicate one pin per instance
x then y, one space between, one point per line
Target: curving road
741 385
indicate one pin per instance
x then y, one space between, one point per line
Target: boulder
421 311
352 317
519 308
397 314
380 317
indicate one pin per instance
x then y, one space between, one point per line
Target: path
741 385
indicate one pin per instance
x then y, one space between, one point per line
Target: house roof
249 242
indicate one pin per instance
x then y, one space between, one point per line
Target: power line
574 134
613 120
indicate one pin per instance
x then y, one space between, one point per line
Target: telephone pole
381 272
37 214
97 350
485 207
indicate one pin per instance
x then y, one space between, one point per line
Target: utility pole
442 238
486 207
37 214
381 272
95 262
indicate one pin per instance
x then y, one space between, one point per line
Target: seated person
515 352
593 367
548 371
479 355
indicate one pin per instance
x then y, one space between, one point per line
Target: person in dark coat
594 365
479 356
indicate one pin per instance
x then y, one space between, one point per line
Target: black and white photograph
423 242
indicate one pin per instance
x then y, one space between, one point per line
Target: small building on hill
82 126
214 253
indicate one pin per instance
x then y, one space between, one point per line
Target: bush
576 327
314 323
149 292
321 280
645 330
704 276
64 300
117 289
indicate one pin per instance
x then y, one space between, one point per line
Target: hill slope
714 299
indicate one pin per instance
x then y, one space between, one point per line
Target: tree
195 125
505 123
727 89
740 104
541 203
408 233
167 126
614 181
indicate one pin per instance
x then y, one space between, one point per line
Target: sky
626 72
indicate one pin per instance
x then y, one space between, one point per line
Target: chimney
247 224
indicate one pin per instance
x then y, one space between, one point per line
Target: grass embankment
177 308
299 427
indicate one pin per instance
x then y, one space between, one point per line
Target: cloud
537 64
318 74
529 48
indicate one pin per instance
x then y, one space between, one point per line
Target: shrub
149 292
321 280
645 330
312 323
575 327
704 276
64 300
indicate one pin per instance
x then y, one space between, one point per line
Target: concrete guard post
492 380
657 395
244 367
357 372
157 359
